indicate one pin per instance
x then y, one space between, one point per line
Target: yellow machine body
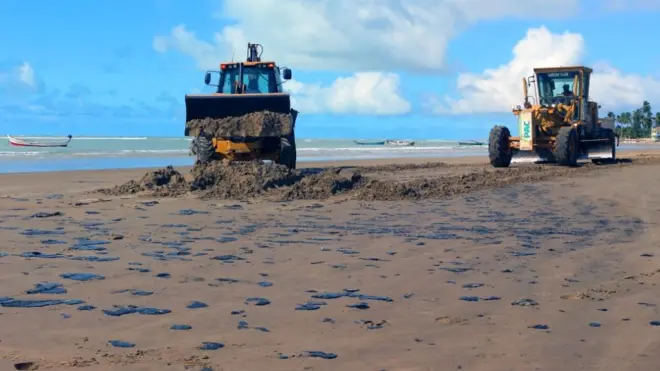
243 88
561 107
244 151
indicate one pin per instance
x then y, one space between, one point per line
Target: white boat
31 143
400 143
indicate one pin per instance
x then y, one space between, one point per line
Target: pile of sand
239 181
161 182
256 124
248 180
322 185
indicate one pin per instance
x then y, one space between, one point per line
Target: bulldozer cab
564 85
242 87
249 78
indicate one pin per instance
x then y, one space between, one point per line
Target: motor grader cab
560 125
248 117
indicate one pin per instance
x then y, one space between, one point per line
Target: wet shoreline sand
547 269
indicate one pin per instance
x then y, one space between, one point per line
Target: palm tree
647 119
625 119
637 123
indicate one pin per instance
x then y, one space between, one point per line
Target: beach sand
544 268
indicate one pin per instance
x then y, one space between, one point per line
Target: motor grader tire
499 149
202 147
567 146
287 155
611 136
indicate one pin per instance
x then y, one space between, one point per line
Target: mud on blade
200 106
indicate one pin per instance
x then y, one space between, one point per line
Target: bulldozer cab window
556 87
228 82
259 80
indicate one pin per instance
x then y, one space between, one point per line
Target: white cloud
623 5
18 79
205 54
350 35
26 74
496 89
160 44
372 93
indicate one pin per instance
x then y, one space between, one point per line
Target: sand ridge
247 180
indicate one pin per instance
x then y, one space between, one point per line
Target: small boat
360 143
471 143
400 143
30 143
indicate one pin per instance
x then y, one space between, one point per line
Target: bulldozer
248 117
560 126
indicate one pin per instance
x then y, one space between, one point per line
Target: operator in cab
253 83
567 92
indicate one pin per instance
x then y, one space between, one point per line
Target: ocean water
85 153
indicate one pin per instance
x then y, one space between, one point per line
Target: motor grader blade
599 150
532 157
218 106
594 150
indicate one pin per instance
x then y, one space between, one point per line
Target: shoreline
35 161
323 163
80 181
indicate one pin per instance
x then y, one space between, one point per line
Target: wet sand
531 272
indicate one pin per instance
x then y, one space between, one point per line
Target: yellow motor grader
561 125
248 117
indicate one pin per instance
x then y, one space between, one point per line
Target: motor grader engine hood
546 120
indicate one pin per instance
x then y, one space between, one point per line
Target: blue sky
92 68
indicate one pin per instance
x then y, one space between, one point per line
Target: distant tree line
638 123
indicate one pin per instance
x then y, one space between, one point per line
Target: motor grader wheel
609 133
567 146
202 147
499 149
287 155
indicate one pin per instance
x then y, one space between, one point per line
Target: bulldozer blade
215 106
